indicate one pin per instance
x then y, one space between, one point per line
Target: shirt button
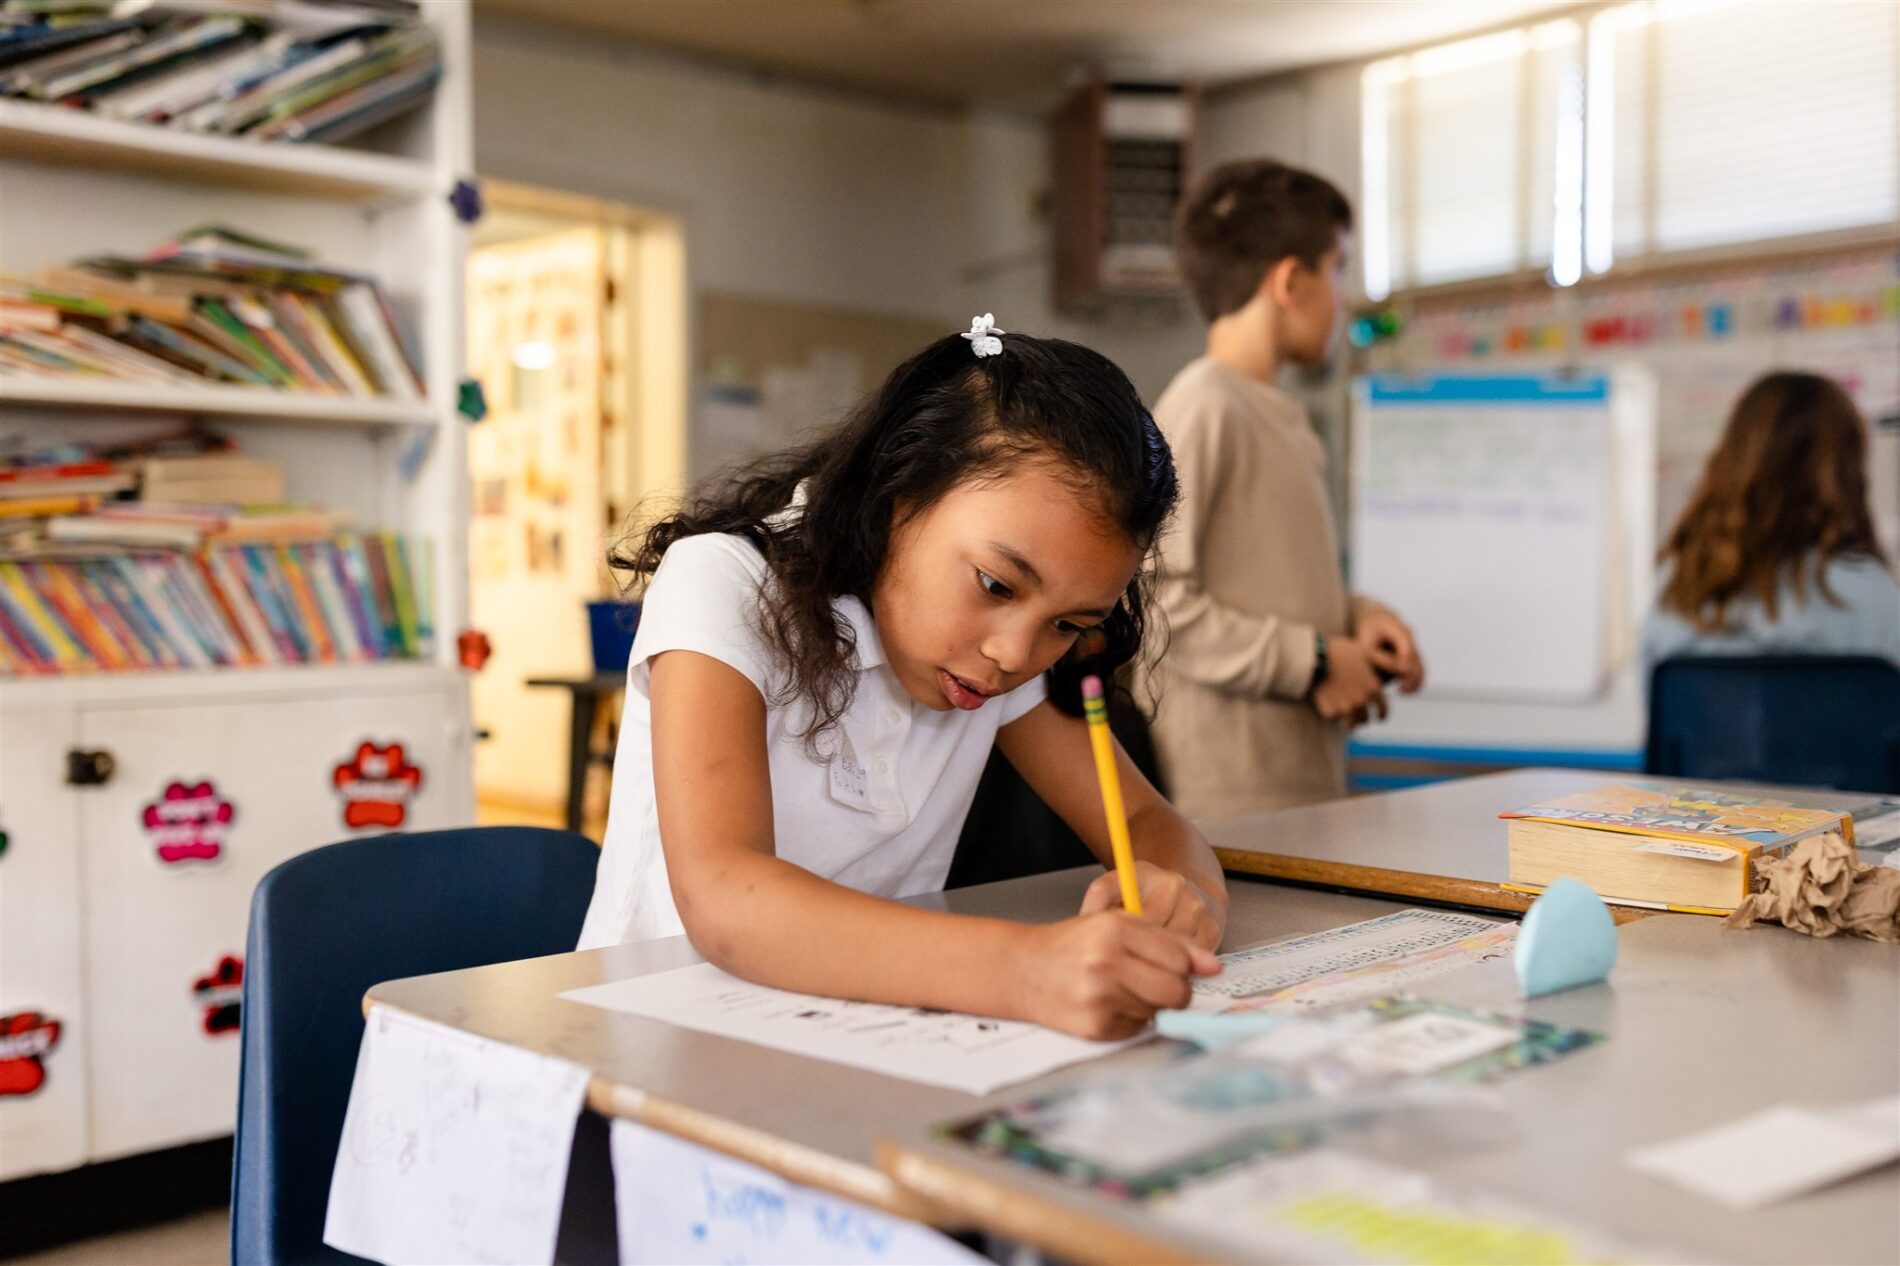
894 716
883 767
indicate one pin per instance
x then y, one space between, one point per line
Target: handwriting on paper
454 1148
678 1202
971 1053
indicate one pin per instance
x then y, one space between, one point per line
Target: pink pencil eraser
1091 687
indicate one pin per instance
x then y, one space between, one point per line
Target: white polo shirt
879 812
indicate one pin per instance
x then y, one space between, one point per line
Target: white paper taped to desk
454 1148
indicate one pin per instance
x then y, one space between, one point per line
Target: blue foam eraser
1567 939
1211 1030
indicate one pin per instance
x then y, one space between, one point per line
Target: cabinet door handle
89 769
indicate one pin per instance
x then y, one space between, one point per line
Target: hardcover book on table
1639 843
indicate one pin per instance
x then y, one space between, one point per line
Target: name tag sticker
850 783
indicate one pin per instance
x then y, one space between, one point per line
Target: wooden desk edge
802 1165
1383 882
960 1197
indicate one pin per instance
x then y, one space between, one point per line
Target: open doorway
576 332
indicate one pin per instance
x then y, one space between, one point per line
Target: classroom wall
786 192
821 197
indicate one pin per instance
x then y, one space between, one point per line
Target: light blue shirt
1866 623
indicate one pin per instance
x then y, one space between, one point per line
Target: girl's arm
1179 876
766 919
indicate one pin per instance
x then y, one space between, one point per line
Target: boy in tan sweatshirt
1268 660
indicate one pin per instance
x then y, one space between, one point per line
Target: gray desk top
817 1123
1442 842
1705 1024
1444 828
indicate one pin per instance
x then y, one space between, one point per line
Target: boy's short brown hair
1242 218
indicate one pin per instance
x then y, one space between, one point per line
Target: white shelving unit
96 932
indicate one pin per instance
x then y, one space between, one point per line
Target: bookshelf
97 932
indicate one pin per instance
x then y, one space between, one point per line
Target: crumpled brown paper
1821 888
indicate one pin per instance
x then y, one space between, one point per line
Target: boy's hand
1389 644
1167 898
1352 683
1103 976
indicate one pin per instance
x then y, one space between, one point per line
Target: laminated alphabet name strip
970 1053
454 1148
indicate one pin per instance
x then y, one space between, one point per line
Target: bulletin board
770 373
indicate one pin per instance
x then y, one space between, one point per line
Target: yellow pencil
1095 708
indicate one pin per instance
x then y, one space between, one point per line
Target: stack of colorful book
348 598
212 305
269 70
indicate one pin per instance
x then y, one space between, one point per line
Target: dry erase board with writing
1488 511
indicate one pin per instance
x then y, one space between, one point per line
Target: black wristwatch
1319 662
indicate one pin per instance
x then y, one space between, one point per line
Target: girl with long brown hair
1776 552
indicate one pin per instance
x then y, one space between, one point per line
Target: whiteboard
1487 511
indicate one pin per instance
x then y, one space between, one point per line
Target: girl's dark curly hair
943 418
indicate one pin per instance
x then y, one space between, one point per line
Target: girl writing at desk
830 645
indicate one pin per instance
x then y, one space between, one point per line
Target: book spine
385 596
95 648
278 607
354 357
401 587
241 339
79 578
368 639
26 631
67 652
128 600
336 615
360 590
29 655
291 325
335 356
308 613
206 582
245 605
371 333
183 643
166 579
262 325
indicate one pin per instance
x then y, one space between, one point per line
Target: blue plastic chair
327 925
1807 721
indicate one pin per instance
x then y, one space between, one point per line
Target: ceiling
1018 53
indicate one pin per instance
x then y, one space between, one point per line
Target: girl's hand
1103 976
1167 899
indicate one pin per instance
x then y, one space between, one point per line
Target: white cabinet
125 902
204 801
42 1013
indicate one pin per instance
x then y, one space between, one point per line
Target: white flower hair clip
982 335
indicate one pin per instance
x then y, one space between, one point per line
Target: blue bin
610 627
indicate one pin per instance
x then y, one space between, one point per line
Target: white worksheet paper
961 1052
1777 1153
454 1148
1355 962
678 1203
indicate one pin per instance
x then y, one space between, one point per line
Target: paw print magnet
187 824
376 786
